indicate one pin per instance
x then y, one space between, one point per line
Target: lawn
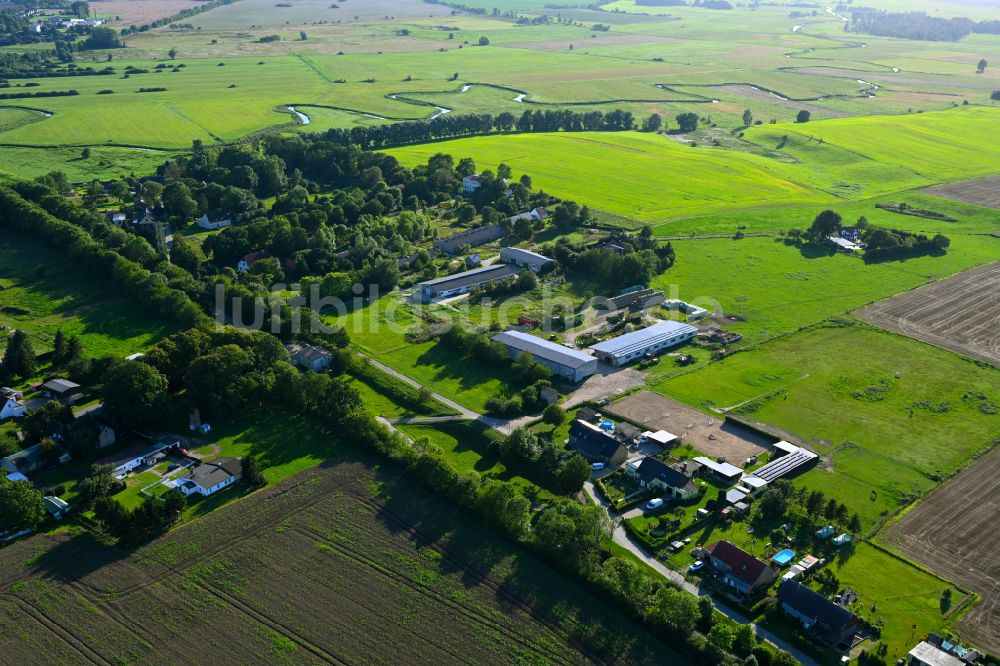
41 292
895 414
465 445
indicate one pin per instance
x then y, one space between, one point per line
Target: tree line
450 126
914 25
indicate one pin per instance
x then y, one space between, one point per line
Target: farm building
693 312
661 437
824 620
723 471
210 477
461 283
310 357
843 245
473 261
655 475
63 389
790 458
533 215
562 361
524 258
928 654
631 346
638 299
471 237
13 403
738 568
215 219
595 444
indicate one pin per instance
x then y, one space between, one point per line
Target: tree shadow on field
70 559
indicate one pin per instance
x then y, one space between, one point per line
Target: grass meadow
887 414
65 298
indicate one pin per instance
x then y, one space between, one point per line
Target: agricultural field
42 293
951 532
333 566
982 192
961 313
880 409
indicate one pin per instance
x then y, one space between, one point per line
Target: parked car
697 566
172 466
654 504
597 466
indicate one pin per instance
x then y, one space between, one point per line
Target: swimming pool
784 557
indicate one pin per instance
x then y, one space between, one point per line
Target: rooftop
550 351
526 256
813 604
474 276
935 656
592 441
741 564
213 472
639 340
653 468
723 469
60 386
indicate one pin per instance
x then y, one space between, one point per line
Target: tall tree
20 505
748 118
981 66
19 358
132 390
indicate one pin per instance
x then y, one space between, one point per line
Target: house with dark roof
63 389
824 620
739 569
56 507
310 357
655 475
210 477
595 444
90 418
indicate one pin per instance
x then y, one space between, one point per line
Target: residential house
654 475
215 219
63 390
125 461
13 404
627 433
739 569
210 477
89 418
24 461
595 444
310 357
471 183
825 621
247 262
56 507
117 218
852 234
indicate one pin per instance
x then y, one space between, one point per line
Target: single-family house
216 219
310 357
852 234
471 183
210 477
246 263
56 507
24 461
595 444
90 418
13 404
654 475
117 217
128 459
63 390
739 569
825 621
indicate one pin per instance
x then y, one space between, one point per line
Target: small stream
303 118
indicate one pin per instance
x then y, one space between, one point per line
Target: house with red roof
739 569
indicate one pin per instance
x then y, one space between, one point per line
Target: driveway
623 539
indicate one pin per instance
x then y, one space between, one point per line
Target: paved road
623 539
467 414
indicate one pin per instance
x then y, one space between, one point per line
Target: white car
697 566
654 504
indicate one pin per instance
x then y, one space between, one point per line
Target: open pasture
953 531
139 12
915 406
339 565
961 313
41 293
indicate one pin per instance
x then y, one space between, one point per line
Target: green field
65 298
886 413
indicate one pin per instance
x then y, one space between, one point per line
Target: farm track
952 532
960 313
68 637
466 566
